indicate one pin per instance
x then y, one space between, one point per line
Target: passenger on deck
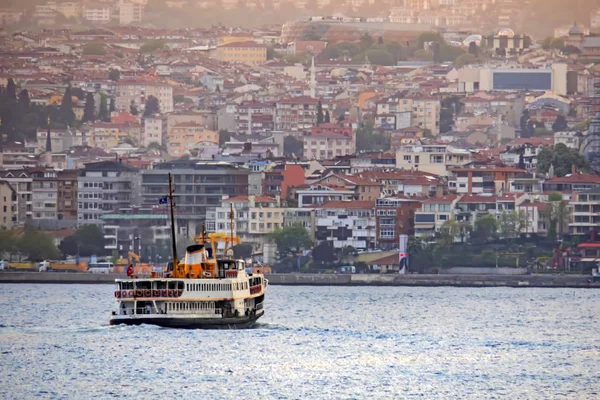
148 309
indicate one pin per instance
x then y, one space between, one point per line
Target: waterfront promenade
457 280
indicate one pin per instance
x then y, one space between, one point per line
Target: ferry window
187 286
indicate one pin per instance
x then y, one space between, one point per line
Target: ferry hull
243 322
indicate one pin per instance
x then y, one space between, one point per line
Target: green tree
86 241
327 118
323 253
242 250
380 57
557 215
473 49
293 147
103 112
541 132
427 37
66 107
423 55
94 49
133 110
562 158
486 228
366 42
37 246
465 59
152 46
512 223
319 113
11 89
24 101
8 242
560 124
89 109
291 239
114 75
449 231
152 106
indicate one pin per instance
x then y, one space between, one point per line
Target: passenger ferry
205 291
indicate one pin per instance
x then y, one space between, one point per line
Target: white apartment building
434 158
140 91
327 141
97 13
130 12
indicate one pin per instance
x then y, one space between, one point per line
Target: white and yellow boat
204 291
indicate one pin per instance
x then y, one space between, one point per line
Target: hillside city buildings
285 130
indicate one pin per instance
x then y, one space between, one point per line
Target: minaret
313 80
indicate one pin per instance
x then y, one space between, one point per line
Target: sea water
312 343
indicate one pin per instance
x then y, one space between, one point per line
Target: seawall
558 281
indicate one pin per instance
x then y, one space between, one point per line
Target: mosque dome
505 32
576 30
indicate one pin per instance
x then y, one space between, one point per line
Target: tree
242 250
380 57
464 229
562 158
293 147
66 107
8 242
24 101
114 75
319 113
291 239
465 59
323 253
560 124
89 109
112 107
448 232
526 131
342 117
88 240
473 49
103 113
327 117
557 215
11 89
152 46
423 55
427 37
37 246
512 223
427 133
157 146
133 110
521 164
366 41
94 49
486 228
152 106
541 131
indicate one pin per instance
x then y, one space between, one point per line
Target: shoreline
454 280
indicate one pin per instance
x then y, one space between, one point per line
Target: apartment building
107 135
394 216
279 177
130 12
250 53
585 212
21 182
364 188
8 206
66 205
434 212
296 114
424 111
199 188
319 193
301 216
436 159
573 182
327 141
186 136
99 13
139 91
346 223
485 180
44 193
154 130
104 188
255 217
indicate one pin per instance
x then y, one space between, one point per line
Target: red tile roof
441 200
577 178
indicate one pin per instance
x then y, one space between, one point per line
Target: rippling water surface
313 343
